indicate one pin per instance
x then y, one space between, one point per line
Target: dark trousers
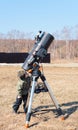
18 102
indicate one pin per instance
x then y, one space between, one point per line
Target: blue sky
33 15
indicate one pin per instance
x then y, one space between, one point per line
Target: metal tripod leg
34 82
28 116
60 113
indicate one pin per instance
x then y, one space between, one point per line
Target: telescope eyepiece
38 37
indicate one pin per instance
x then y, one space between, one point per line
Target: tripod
36 73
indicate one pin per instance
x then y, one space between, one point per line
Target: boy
23 86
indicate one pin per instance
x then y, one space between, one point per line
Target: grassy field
64 83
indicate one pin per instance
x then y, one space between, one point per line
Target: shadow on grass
69 108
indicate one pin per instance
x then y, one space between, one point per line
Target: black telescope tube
46 40
35 55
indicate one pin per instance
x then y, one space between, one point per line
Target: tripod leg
28 116
52 95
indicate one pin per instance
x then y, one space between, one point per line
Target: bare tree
76 31
66 35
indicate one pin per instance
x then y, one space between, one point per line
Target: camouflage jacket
23 86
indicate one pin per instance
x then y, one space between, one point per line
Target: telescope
39 51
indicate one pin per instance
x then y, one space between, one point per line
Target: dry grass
64 83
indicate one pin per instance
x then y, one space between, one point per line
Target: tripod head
39 50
